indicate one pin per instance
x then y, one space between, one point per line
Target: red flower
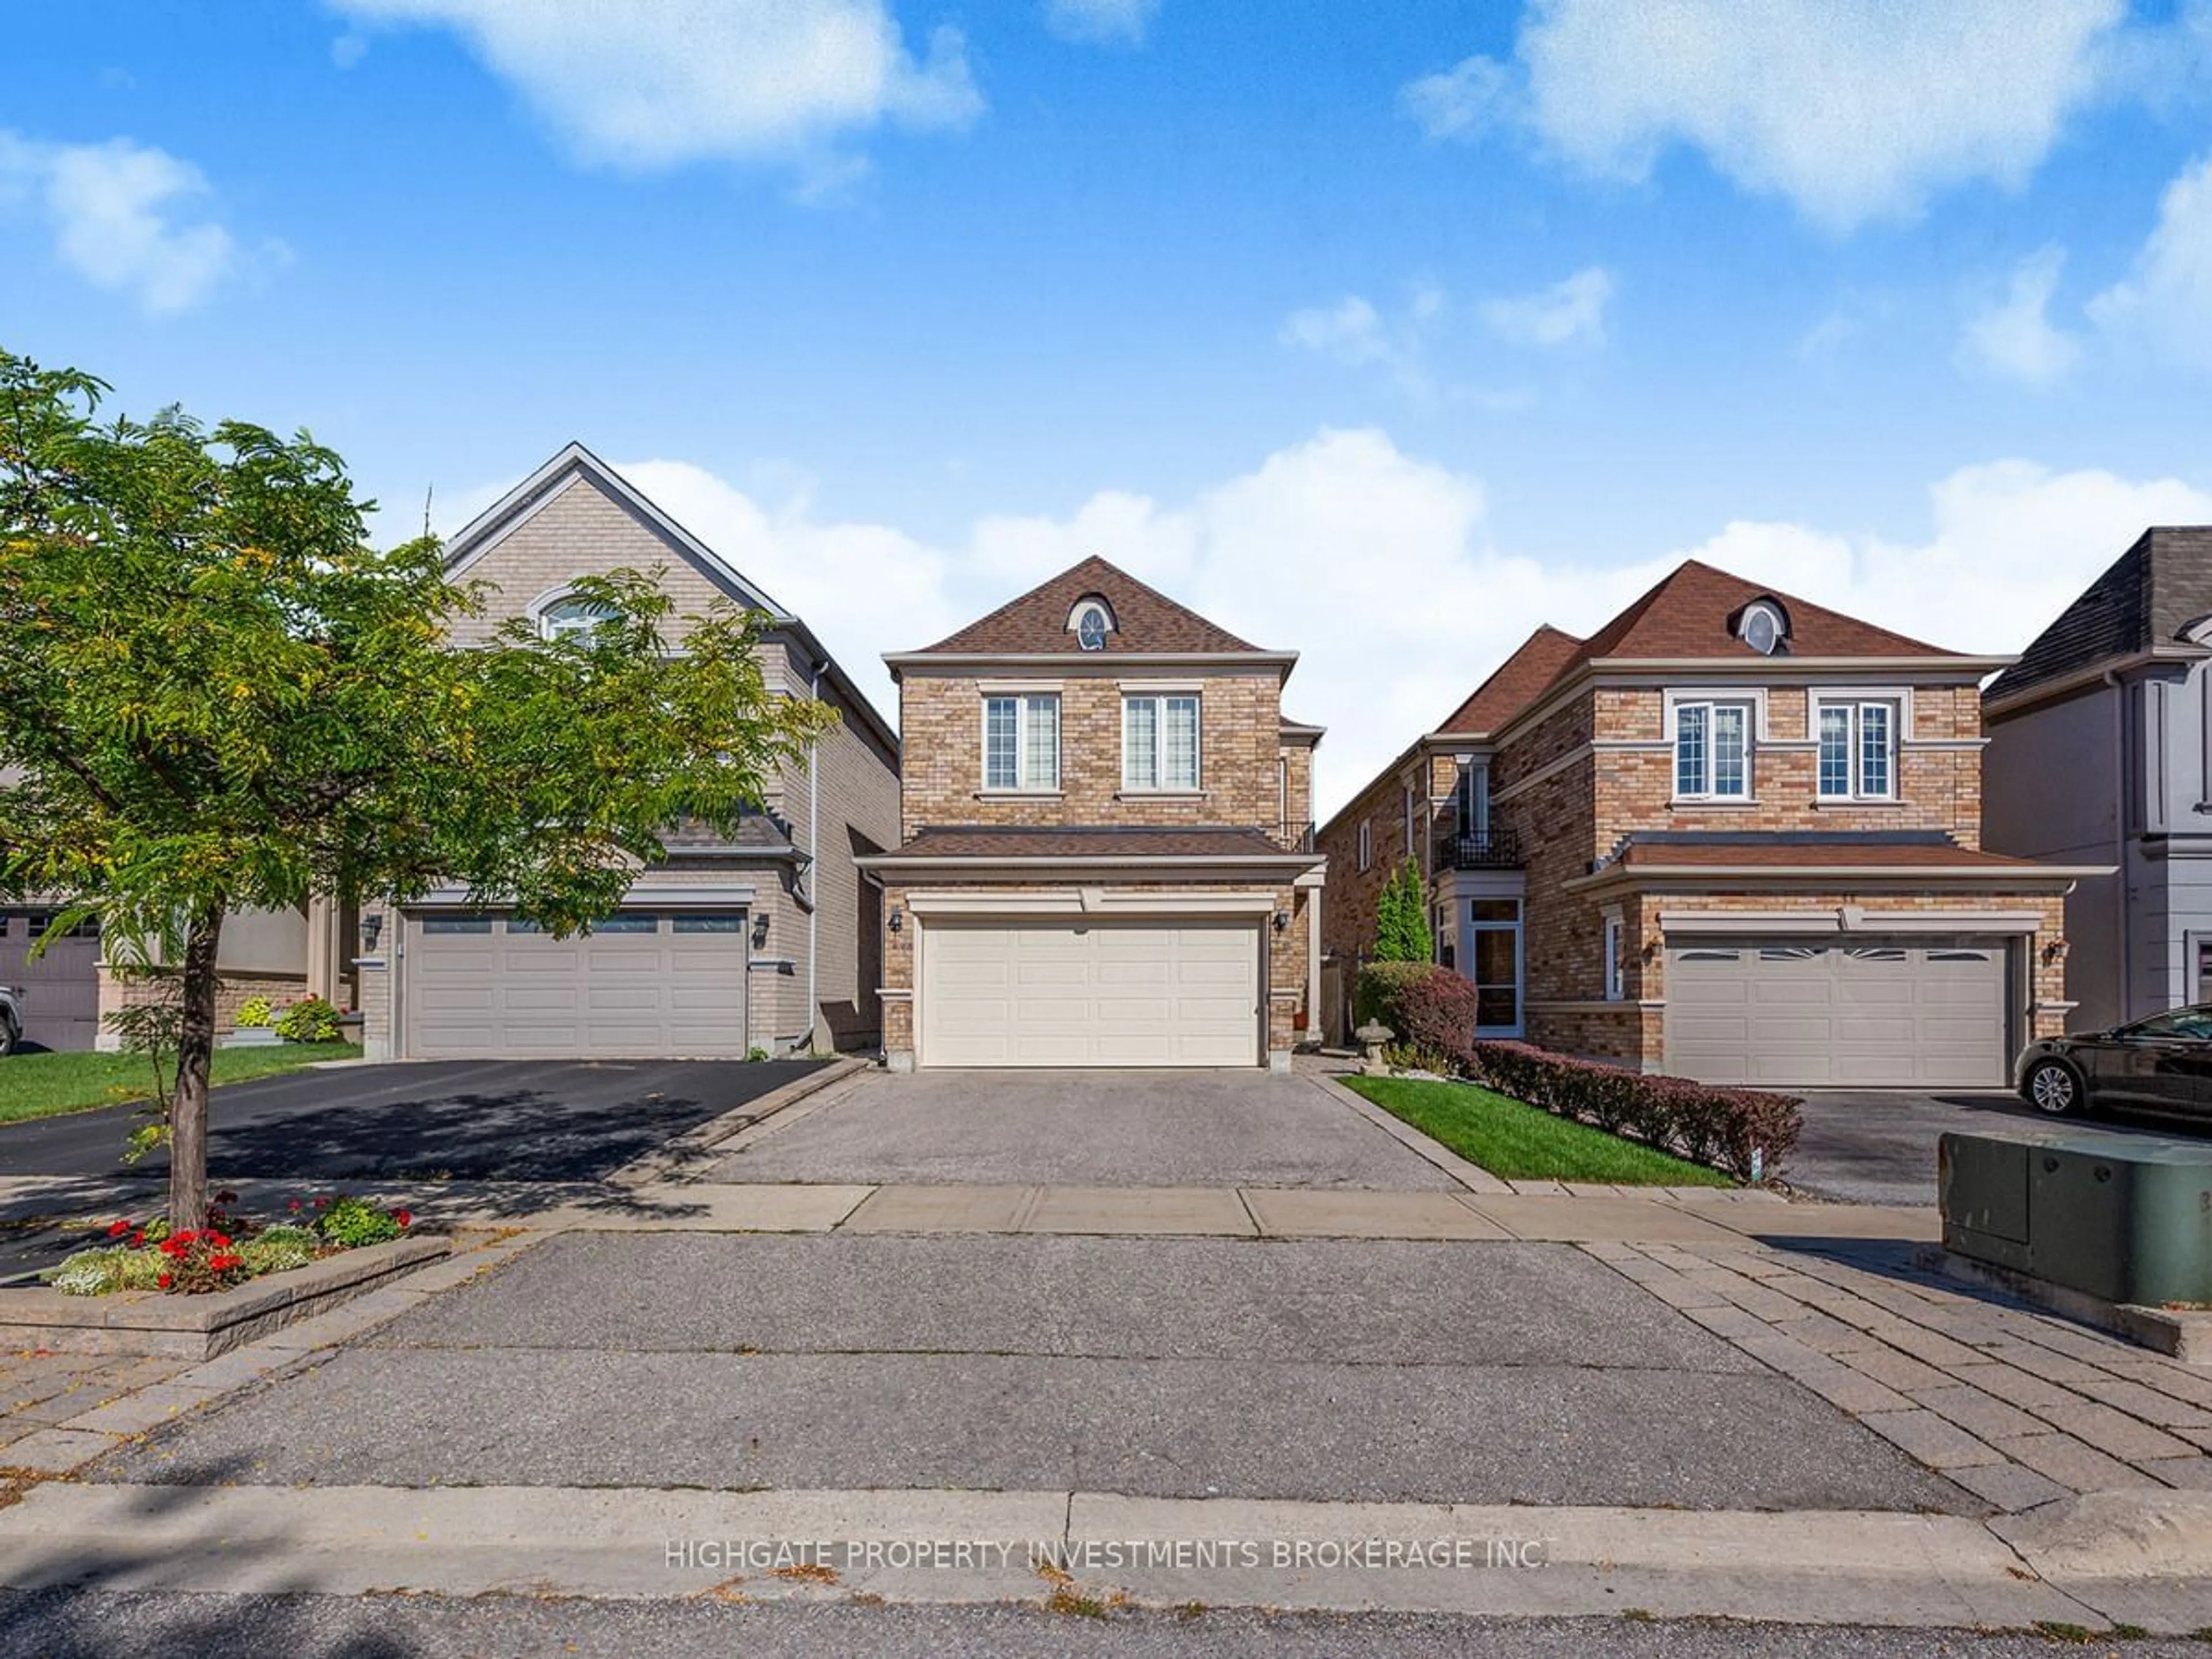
405 1218
221 1240
293 1205
221 1263
320 1202
166 1280
119 1230
138 1241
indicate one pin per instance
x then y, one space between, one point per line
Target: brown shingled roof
1146 620
1516 683
1688 613
1083 841
1817 855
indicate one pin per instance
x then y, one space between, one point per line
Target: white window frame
1029 708
1406 829
1615 969
583 616
1366 843
1899 709
1133 704
1753 707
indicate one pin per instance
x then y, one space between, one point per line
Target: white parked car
11 1019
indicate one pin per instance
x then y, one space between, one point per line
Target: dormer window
1090 621
1763 627
566 618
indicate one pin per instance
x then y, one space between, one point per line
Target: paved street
472 1120
96 1626
1086 1128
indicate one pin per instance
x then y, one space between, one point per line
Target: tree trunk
188 1111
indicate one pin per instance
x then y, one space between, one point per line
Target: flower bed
226 1253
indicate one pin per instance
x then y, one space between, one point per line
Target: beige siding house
768 940
1106 850
1732 835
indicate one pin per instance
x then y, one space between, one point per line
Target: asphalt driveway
461 1120
1483 1373
1878 1146
1243 1128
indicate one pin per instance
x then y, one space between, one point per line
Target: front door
1494 964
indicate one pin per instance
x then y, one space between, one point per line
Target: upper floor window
1090 619
1160 743
1712 750
565 618
1406 807
1366 842
1764 626
1021 741
1858 750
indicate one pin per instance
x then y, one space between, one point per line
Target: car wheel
2054 1087
9 1036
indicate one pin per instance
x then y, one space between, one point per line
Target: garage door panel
1090 993
644 992
1878 1014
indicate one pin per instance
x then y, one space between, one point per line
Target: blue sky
1381 333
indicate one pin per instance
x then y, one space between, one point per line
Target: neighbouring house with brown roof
2100 753
1106 856
1731 835
764 939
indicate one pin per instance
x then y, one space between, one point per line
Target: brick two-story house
1106 857
767 940
1732 835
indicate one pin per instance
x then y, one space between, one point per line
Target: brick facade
1576 766
1253 775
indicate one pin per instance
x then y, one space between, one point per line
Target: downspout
2120 840
814 864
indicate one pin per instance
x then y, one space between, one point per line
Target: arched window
1762 628
564 618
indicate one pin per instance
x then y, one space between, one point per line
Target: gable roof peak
1144 621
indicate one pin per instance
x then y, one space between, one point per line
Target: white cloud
2166 304
1121 22
1464 101
126 217
1853 109
1350 332
1569 313
348 49
2016 339
1432 603
655 83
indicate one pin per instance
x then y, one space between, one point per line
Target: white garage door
640 986
1870 1013
61 988
1100 994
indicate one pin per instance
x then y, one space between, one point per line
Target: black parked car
2163 1064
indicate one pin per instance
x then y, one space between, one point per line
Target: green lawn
1520 1143
42 1085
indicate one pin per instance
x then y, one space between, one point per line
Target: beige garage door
1101 994
61 988
1870 1013
639 986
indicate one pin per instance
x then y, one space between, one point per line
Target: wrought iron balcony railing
1495 848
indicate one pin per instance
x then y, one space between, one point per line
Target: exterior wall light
1282 921
760 930
898 919
372 929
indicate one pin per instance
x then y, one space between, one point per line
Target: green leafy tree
1401 918
216 696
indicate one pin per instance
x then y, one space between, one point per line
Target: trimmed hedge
1705 1123
1376 994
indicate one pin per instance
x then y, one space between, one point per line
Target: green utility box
2125 1218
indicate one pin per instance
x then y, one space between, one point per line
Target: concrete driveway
1083 1128
547 1120
1878 1145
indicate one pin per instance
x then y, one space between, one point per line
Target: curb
1805 1568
